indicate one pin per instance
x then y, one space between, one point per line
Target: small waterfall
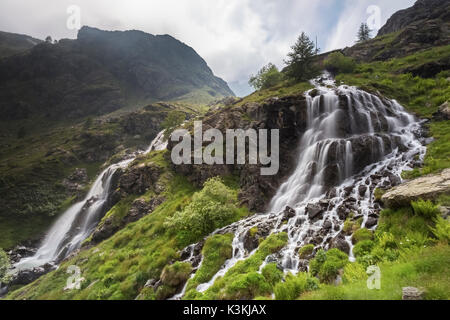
354 142
78 222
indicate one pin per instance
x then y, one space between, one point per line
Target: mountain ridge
103 71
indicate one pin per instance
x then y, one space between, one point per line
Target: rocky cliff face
289 115
422 11
425 25
101 72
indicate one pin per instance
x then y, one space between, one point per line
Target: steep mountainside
226 232
102 71
12 43
425 25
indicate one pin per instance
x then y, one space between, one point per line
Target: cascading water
354 142
81 219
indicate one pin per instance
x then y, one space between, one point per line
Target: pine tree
364 33
299 62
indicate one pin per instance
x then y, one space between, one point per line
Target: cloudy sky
235 37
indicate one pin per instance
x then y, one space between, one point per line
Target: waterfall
353 143
78 222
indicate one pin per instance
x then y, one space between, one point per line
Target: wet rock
314 211
255 235
428 188
443 112
371 222
340 243
303 265
20 252
288 214
362 190
27 276
411 293
327 225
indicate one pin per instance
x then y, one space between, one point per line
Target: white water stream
80 220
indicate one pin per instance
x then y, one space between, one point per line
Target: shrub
247 286
338 63
363 248
361 235
327 265
425 209
354 272
441 229
175 274
306 251
211 208
294 286
272 274
4 266
267 77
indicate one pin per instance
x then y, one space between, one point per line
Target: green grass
243 281
285 88
118 267
410 248
216 251
426 268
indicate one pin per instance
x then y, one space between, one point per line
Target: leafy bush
272 274
4 266
363 247
442 229
425 208
211 208
354 272
294 286
247 286
361 235
338 63
351 226
326 265
306 251
267 77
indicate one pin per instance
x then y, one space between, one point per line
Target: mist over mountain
102 71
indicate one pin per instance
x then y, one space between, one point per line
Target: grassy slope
119 267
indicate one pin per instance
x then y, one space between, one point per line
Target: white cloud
235 37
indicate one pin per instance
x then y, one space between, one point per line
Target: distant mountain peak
102 71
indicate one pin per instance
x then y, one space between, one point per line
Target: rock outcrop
426 188
424 25
443 113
